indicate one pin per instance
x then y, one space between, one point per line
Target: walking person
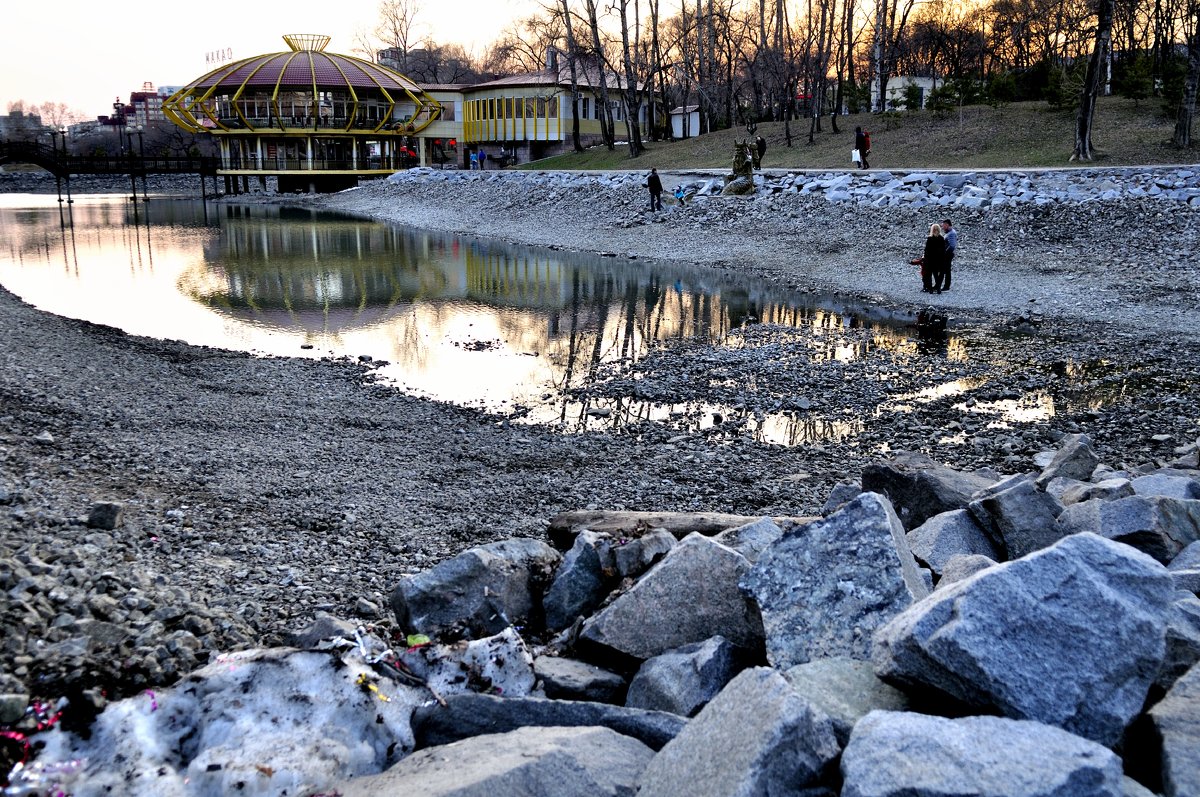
951 236
862 144
933 263
656 188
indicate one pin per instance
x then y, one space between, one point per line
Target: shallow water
476 322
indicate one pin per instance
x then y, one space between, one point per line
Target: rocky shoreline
248 504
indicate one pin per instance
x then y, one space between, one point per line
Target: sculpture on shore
741 181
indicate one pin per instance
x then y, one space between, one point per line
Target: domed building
316 121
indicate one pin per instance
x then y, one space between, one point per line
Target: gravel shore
257 492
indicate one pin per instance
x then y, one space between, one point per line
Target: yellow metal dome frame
217 102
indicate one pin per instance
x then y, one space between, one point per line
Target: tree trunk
1091 83
605 115
633 100
1187 103
656 49
572 51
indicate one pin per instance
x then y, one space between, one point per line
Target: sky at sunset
87 53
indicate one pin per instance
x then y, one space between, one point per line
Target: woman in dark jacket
934 259
861 144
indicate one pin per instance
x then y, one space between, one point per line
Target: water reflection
476 322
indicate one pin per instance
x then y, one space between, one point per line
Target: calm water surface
475 322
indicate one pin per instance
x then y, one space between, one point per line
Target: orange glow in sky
86 54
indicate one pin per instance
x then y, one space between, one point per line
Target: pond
514 330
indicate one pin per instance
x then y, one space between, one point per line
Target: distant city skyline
88 54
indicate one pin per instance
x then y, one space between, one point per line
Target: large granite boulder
918 488
687 596
636 556
584 579
961 567
570 679
901 754
1105 490
1075 459
846 690
1071 636
953 533
472 714
1183 639
479 592
1185 568
1020 519
1161 527
1168 485
756 737
566 762
683 680
824 588
1176 719
752 539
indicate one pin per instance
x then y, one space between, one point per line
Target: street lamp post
132 170
54 145
142 155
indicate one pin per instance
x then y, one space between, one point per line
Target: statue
741 181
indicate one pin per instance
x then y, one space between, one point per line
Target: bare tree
606 120
573 65
632 97
1187 104
1091 82
888 33
397 28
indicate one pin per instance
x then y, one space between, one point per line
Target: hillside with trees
800 64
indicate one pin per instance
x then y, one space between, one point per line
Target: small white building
689 115
898 84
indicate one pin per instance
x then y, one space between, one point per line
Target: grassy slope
1020 135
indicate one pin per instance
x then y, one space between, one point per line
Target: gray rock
846 690
12 707
582 581
477 593
751 539
949 534
1019 519
106 515
1131 788
683 599
572 762
1185 568
1075 459
569 679
900 754
683 680
1071 636
1104 490
472 714
840 494
637 556
1161 527
757 737
324 626
961 567
825 588
1169 486
1183 639
1176 720
919 489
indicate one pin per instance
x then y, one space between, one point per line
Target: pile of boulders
915 190
935 632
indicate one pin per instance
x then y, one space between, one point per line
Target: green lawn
1019 135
